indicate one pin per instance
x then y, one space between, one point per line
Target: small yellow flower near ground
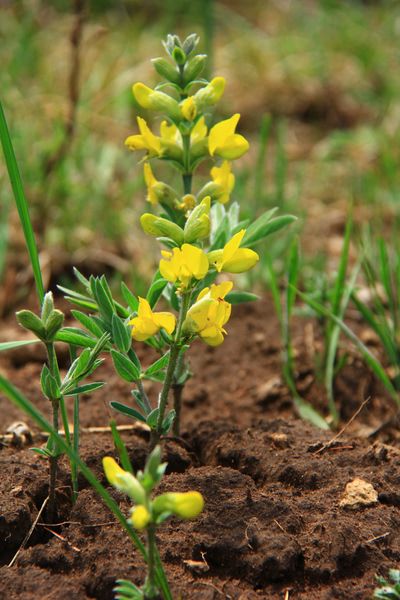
233 259
187 505
146 140
184 263
140 517
148 323
188 108
224 142
123 480
209 314
225 179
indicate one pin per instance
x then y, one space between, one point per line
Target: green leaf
76 337
16 344
127 411
42 452
308 413
88 322
125 367
102 296
129 297
152 418
21 203
240 297
260 229
85 389
155 291
159 365
167 423
121 448
121 334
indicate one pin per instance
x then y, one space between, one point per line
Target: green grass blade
369 358
11 345
22 205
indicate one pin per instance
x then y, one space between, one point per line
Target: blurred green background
316 83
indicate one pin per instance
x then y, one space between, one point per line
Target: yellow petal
135 142
168 132
244 259
165 320
212 337
199 131
220 132
142 94
232 246
234 147
188 108
140 517
187 505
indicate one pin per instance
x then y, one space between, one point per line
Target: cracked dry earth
273 525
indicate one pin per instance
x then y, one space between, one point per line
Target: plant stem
177 390
169 376
151 588
53 466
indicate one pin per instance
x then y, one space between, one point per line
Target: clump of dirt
273 525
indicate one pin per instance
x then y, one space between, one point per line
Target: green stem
53 466
151 588
177 389
169 376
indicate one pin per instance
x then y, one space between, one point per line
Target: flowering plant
201 238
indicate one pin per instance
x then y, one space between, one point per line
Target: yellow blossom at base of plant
148 323
186 505
122 480
140 517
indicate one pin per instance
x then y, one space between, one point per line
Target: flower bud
190 43
187 505
210 94
198 224
188 109
53 324
140 517
28 320
160 227
179 55
47 306
188 202
157 101
166 70
123 480
193 68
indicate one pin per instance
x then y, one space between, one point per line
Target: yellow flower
188 108
155 100
225 179
224 142
148 323
199 131
151 181
198 224
187 505
210 94
233 259
158 191
184 263
209 314
188 202
146 140
123 480
140 517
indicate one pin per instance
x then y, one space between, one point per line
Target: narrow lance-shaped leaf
21 203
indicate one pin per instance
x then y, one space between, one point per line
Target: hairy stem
51 509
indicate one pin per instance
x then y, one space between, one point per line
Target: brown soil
272 526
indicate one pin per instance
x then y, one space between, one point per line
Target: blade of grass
22 205
11 345
369 358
